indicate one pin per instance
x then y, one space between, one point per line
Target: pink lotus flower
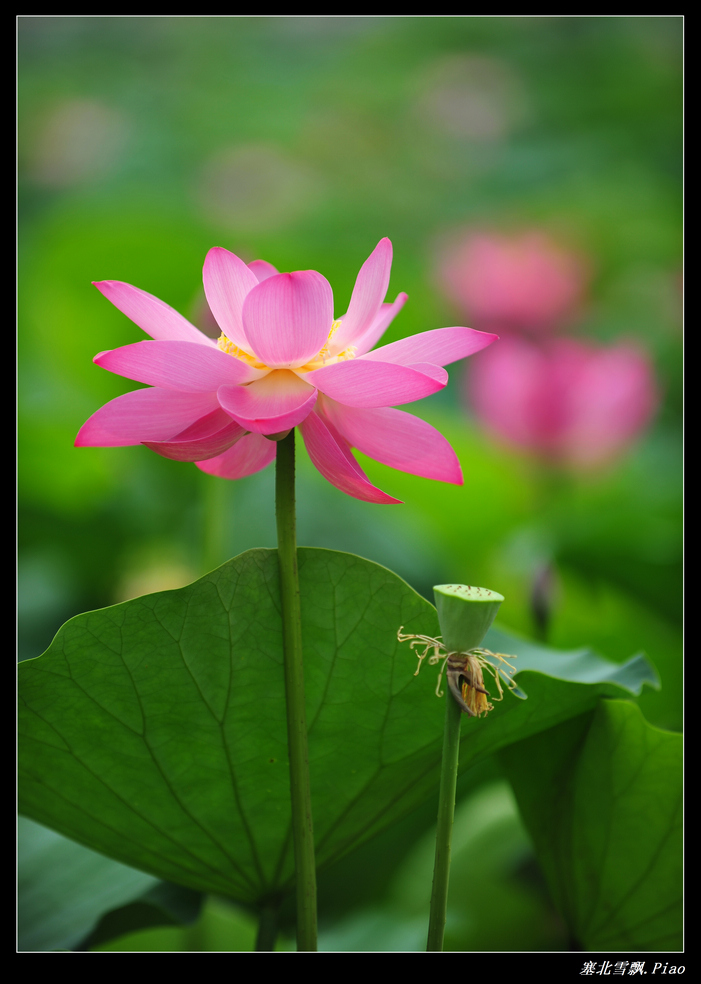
513 282
569 403
281 362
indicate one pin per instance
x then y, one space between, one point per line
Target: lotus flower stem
217 503
302 826
267 928
465 614
444 831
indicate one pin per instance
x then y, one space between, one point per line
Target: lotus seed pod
465 614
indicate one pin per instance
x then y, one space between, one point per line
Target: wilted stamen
464 671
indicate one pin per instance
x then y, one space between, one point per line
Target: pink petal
386 316
331 456
144 415
287 318
368 294
206 427
206 438
262 270
177 366
439 347
252 453
359 383
156 318
435 372
397 439
227 281
278 401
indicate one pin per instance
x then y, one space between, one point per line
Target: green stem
267 928
444 831
300 793
217 507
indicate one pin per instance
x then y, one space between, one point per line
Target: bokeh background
528 173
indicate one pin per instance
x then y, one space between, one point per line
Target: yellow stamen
321 359
228 346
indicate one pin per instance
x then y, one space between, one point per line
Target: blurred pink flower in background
572 404
525 281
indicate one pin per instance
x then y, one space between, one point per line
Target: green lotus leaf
601 795
154 731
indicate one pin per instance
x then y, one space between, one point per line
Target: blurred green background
303 141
